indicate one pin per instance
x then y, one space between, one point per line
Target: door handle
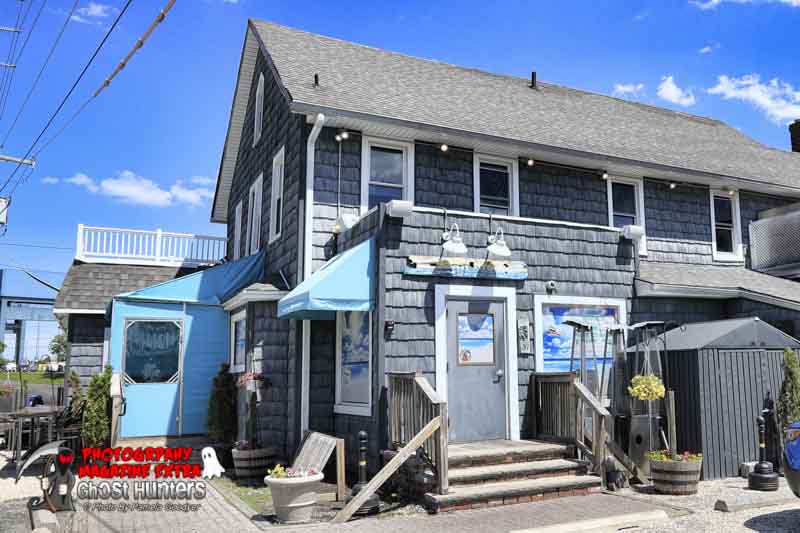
498 376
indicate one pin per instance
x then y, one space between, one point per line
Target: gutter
308 231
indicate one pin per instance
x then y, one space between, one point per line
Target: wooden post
341 486
444 428
671 427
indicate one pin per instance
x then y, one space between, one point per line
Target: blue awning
208 287
344 283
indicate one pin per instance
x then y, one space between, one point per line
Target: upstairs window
495 184
254 215
237 231
276 199
387 173
626 205
726 230
258 115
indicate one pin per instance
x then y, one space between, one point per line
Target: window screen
152 351
623 197
385 175
494 189
723 223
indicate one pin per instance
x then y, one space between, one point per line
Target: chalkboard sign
152 350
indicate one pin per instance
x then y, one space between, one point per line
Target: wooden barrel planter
675 477
252 463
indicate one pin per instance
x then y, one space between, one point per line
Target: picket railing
143 247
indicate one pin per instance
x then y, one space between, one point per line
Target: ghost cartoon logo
57 479
211 466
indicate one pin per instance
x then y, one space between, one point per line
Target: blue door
152 369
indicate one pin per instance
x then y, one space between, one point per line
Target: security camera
550 286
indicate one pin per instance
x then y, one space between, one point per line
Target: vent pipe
533 80
794 133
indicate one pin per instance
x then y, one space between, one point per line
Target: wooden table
32 414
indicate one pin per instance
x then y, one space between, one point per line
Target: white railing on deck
142 247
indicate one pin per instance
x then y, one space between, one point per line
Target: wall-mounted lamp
453 243
444 148
531 162
344 222
497 244
605 175
399 208
673 185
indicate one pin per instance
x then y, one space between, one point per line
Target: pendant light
453 243
497 244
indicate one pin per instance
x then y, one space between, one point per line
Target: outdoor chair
69 422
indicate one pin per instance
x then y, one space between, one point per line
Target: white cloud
638 17
203 180
93 13
707 49
706 5
50 180
668 90
83 180
130 188
628 89
778 100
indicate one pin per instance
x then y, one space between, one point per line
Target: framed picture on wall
553 338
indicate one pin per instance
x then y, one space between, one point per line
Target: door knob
498 375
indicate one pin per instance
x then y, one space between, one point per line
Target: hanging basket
647 387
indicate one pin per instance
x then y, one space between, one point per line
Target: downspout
308 229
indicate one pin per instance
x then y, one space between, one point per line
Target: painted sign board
465 267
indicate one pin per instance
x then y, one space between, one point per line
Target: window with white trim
626 204
258 115
276 198
353 363
254 215
237 231
238 351
496 185
387 172
726 231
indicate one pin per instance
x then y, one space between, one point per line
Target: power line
39 74
9 266
66 97
19 56
10 55
32 245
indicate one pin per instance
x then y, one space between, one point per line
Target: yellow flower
647 387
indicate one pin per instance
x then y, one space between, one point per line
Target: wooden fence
553 405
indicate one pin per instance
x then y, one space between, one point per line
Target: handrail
413 404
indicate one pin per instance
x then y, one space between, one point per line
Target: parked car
791 457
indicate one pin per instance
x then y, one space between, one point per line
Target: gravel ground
14 497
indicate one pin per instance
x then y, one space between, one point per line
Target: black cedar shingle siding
443 179
558 193
85 334
680 310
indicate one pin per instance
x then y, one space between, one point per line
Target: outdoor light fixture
497 244
338 138
345 135
605 175
673 185
530 162
452 241
444 147
344 222
731 192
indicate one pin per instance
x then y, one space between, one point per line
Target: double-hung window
495 184
726 233
276 198
238 342
626 204
258 114
387 172
254 215
353 363
237 231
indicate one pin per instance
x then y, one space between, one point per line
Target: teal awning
208 287
344 283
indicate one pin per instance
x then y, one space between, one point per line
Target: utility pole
18 160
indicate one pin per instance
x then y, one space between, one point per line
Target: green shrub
789 399
221 419
96 429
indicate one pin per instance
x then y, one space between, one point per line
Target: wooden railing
142 247
413 404
565 409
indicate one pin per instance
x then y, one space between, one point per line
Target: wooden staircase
492 473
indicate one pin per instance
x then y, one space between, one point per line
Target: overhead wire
41 71
4 101
64 101
10 55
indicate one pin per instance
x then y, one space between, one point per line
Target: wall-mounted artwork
554 337
476 339
354 383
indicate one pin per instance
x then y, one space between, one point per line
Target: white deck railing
142 247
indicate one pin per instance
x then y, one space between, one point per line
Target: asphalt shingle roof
719 277
90 286
371 81
734 333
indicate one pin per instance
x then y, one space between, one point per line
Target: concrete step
485 453
510 492
522 470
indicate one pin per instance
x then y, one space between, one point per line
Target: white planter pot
294 497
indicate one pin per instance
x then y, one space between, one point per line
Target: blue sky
144 154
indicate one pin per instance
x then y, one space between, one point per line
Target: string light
444 148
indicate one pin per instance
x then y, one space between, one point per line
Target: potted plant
647 387
293 493
249 459
675 474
